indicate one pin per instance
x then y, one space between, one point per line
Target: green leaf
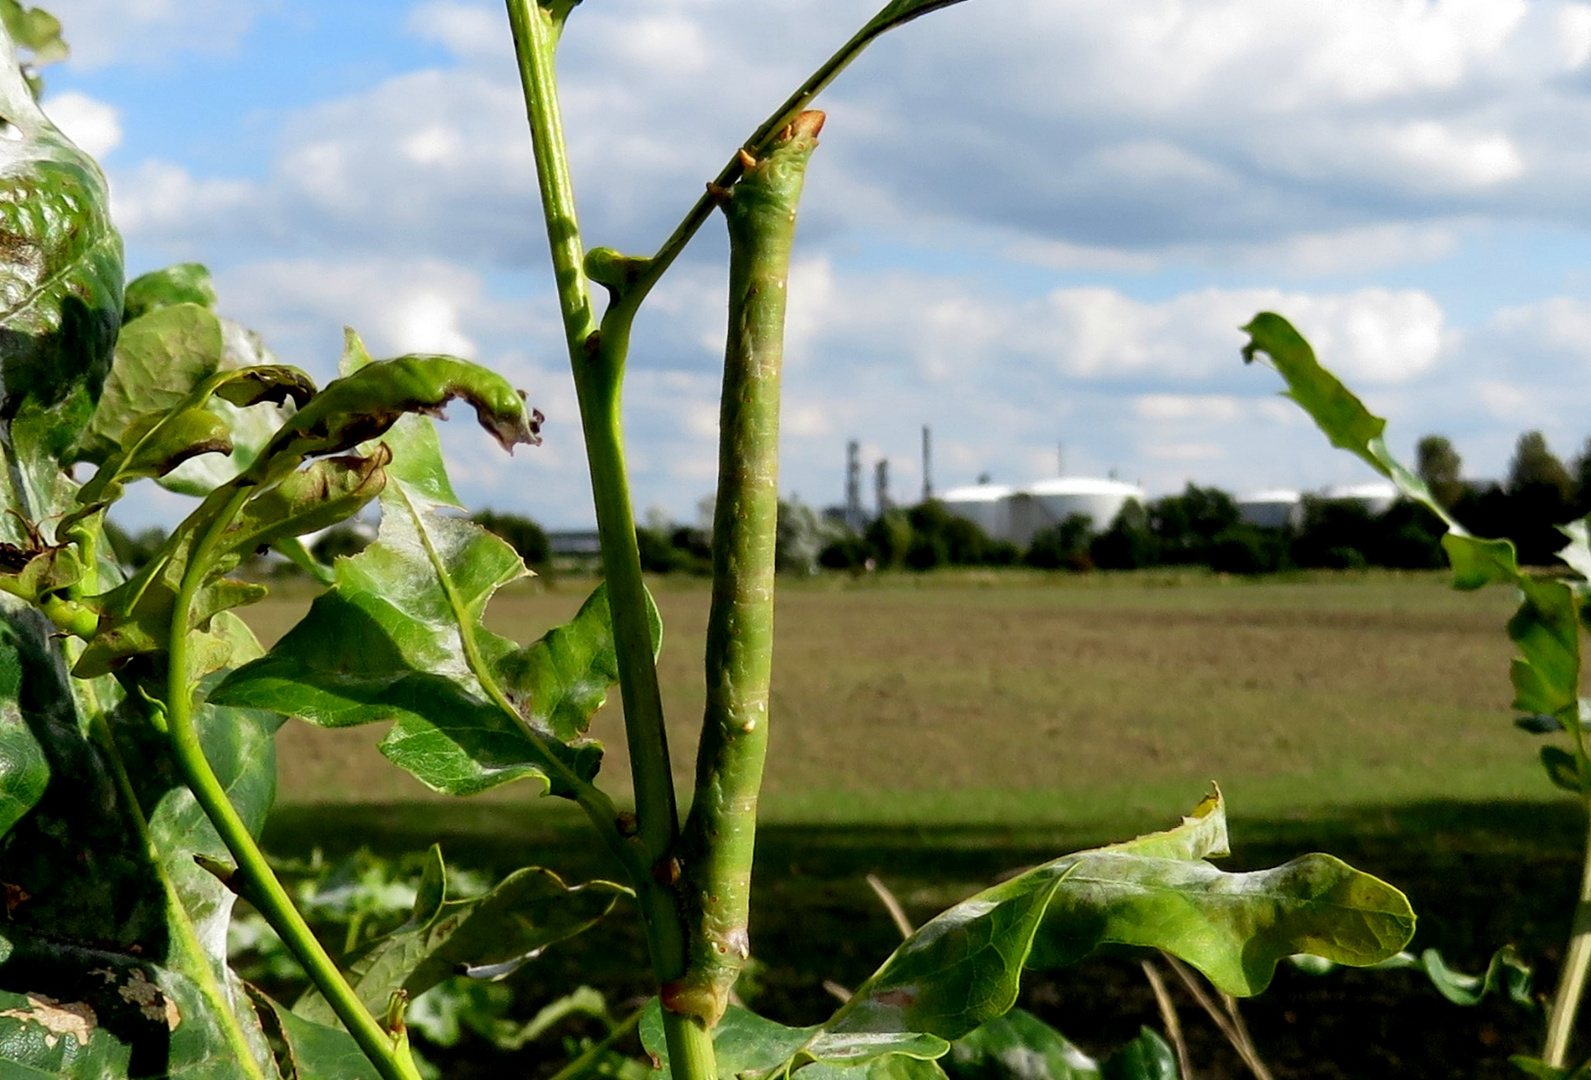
1145 1058
60 287
486 936
559 682
1539 1069
37 31
24 771
159 360
251 389
1505 973
1334 408
899 12
183 283
317 1051
178 361
394 640
110 910
1017 1046
1563 769
963 967
1341 415
1547 630
363 405
745 1043
135 617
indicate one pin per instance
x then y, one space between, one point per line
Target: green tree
1535 465
889 538
1581 467
1186 525
340 542
801 538
1441 468
523 535
1063 546
1540 497
1129 543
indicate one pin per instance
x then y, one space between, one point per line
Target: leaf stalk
259 881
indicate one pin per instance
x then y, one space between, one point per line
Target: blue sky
1030 222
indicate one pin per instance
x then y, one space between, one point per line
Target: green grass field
990 698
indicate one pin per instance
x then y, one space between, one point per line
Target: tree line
1201 526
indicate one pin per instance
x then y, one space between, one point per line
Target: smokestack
1060 459
855 518
928 465
881 485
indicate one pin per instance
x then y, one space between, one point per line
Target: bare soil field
974 698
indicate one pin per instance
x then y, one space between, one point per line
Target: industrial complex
1018 512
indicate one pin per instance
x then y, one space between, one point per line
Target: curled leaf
1546 676
183 283
963 967
501 930
362 406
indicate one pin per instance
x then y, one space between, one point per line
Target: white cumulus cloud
90 123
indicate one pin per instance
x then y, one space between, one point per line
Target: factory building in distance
1018 512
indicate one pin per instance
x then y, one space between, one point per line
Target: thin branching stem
258 880
888 19
598 363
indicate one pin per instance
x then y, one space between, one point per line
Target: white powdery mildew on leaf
74 1018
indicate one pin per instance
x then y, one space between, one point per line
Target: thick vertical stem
1572 979
721 832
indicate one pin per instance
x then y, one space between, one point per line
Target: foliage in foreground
137 711
1546 630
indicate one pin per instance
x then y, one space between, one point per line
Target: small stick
896 913
834 989
1250 1053
1238 1037
1168 1016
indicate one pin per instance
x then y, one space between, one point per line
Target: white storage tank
1376 496
985 505
1278 508
1050 502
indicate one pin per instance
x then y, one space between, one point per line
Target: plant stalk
598 363
259 882
771 128
1576 962
720 835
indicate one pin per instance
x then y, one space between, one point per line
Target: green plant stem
1576 962
259 881
205 975
583 1064
598 363
720 835
887 19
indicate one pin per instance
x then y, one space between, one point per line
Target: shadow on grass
1479 875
